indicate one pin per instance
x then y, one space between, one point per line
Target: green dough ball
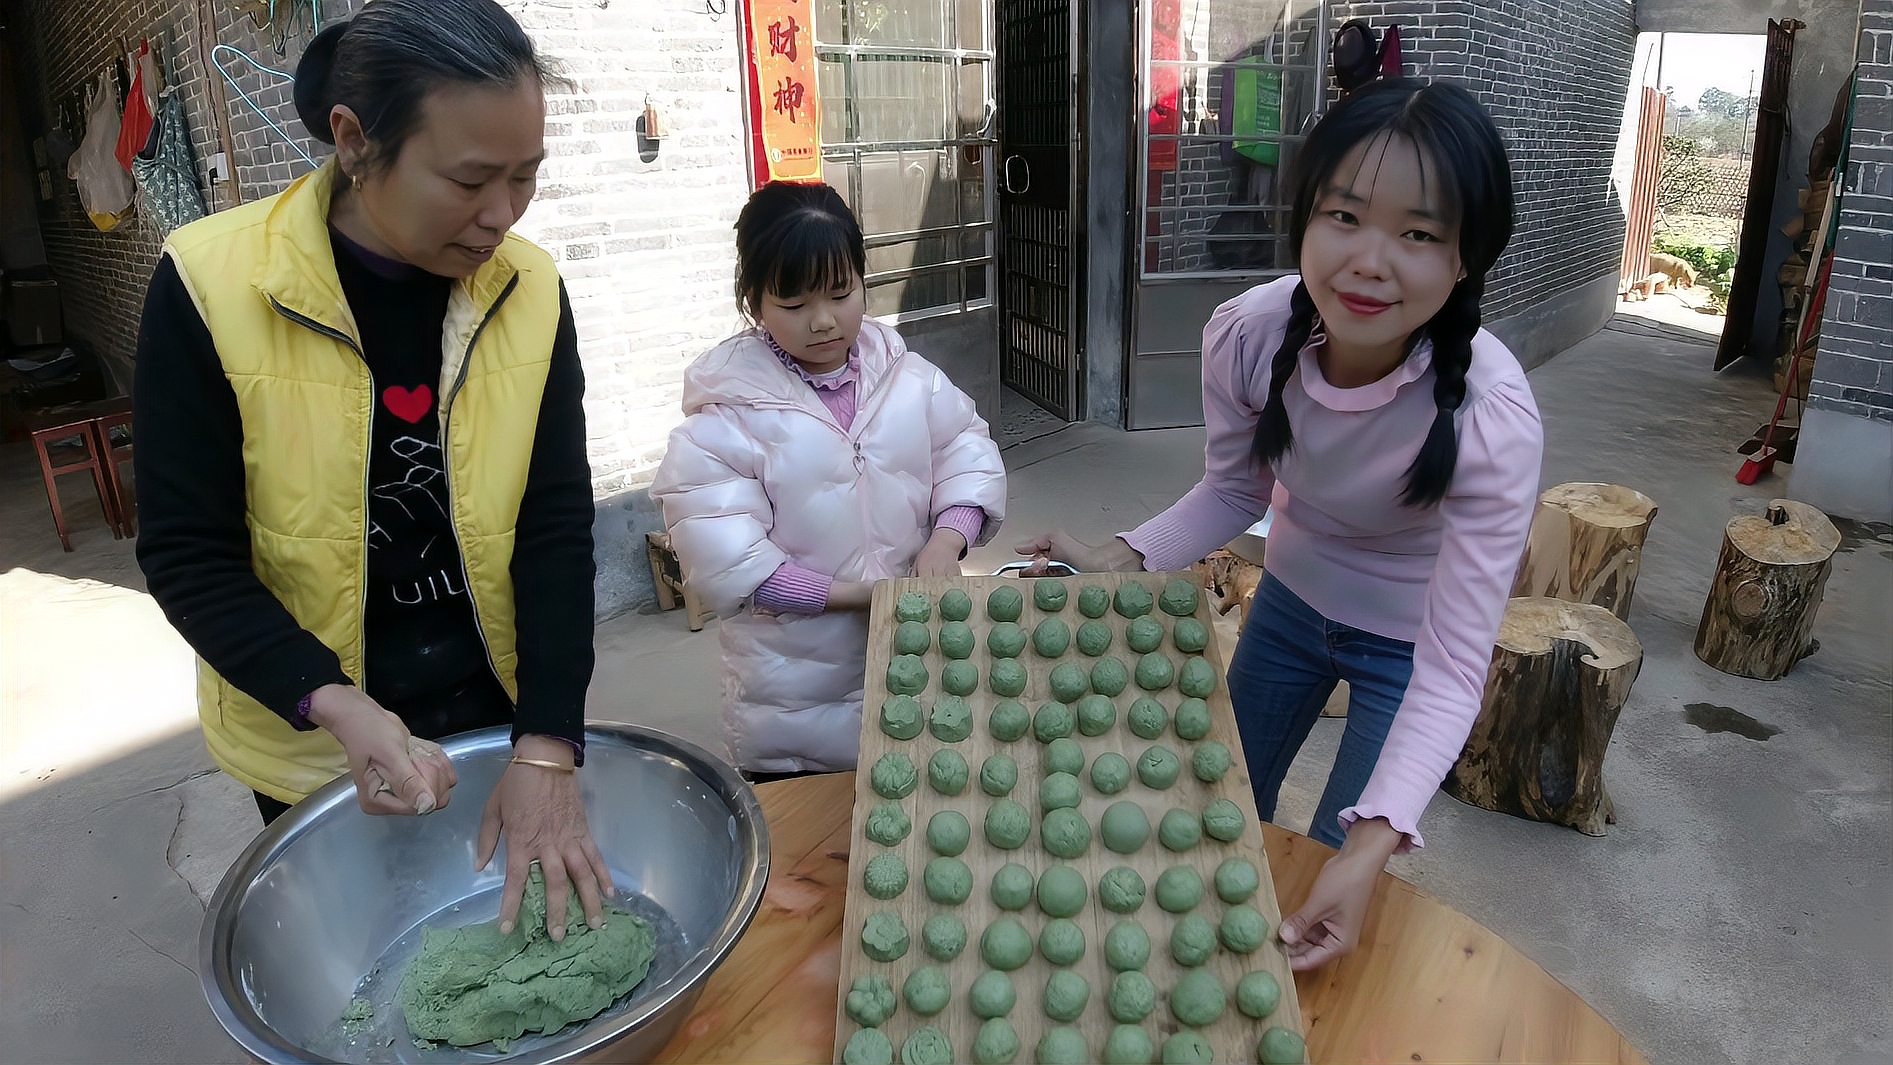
1126 947
913 606
1062 942
927 1046
868 1046
1066 994
1197 678
1190 635
1063 755
1009 721
1188 1048
1062 1046
1108 676
943 936
1148 718
1007 825
1012 887
996 1043
1096 715
948 881
956 605
888 824
1006 945
1179 830
1006 640
1210 761
1054 720
1006 677
894 776
1257 994
1069 682
1178 599
1197 999
1243 929
1179 889
1065 834
1005 603
952 720
1129 1045
1192 940
1049 594
1094 638
1132 600
1154 672
1144 635
901 717
948 833
885 876
870 1001
1223 820
992 994
1279 1046
998 775
1124 827
926 990
1236 880
1110 773
1158 767
1058 792
947 772
1192 719
960 678
1132 997
883 937
957 640
906 675
1093 601
1051 638
912 638
1061 891
1121 890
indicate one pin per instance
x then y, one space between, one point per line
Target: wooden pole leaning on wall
1766 591
1586 545
1560 675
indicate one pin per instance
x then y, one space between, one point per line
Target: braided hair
1456 134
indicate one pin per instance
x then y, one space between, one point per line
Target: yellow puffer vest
263 277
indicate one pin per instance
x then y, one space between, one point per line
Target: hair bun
313 76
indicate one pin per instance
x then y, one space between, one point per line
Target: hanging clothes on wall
134 127
105 189
166 169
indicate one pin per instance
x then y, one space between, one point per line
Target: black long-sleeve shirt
423 646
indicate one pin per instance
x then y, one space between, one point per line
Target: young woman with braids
1398 446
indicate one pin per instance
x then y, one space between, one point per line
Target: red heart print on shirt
408 404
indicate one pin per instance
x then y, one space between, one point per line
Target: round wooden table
1427 983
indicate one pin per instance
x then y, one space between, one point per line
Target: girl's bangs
814 253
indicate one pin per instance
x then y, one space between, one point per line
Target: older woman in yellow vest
361 449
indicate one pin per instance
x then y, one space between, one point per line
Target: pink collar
847 375
1366 397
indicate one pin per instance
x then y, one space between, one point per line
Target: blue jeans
1285 667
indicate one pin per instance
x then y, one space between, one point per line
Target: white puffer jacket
760 473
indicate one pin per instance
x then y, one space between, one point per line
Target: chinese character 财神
789 97
782 38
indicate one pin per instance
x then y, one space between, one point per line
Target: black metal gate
1039 355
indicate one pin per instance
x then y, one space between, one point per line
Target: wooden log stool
1586 545
672 589
1560 674
1767 589
67 442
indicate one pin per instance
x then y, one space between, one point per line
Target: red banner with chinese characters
1166 83
785 107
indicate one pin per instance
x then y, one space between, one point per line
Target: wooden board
1234 1036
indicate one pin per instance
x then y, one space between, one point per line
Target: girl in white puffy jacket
817 456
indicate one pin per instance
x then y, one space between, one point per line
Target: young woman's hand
542 816
395 772
850 595
941 556
1110 557
1328 924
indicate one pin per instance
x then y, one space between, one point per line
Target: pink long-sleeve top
1340 539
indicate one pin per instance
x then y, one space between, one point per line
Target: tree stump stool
1560 674
1586 545
1766 590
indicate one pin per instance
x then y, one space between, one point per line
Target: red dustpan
1764 458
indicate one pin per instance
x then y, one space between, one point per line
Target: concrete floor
1738 912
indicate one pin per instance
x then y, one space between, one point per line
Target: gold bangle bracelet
543 764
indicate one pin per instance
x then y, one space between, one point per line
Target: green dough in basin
1005 603
913 606
907 675
474 985
957 640
956 605
912 638
901 717
1006 640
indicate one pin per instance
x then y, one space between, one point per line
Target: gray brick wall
1853 373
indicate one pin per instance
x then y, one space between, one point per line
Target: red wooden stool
57 437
